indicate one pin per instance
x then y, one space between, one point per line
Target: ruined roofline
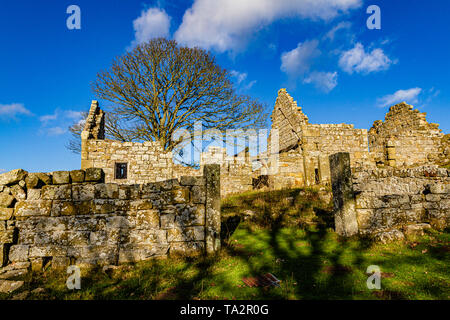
404 108
292 103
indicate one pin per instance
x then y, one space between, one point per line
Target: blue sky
337 69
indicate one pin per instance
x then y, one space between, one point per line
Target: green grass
311 261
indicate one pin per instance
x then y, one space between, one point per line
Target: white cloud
249 85
49 117
59 120
340 26
240 80
150 24
325 81
409 96
360 61
227 24
56 131
298 61
10 111
240 76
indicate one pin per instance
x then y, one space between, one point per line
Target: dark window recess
121 171
316 171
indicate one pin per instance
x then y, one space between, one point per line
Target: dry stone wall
75 218
389 203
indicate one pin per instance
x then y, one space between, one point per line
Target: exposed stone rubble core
74 217
388 204
408 136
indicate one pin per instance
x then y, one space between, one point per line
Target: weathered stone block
192 181
62 192
34 194
44 177
104 206
198 194
433 197
117 222
18 253
186 234
84 207
6 236
18 193
46 251
343 195
76 238
61 177
141 205
12 177
167 221
94 175
6 200
416 229
77 176
32 181
211 172
133 253
63 208
179 195
389 236
191 216
106 191
33 208
148 236
83 192
187 249
146 219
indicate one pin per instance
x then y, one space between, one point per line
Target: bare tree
160 87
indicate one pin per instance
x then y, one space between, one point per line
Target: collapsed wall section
405 138
391 203
75 218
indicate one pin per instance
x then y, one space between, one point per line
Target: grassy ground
289 234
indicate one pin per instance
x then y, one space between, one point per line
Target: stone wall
407 136
389 203
235 171
305 147
322 140
287 117
404 139
146 162
74 217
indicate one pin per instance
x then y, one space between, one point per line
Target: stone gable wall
76 218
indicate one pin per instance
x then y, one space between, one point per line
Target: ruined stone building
405 138
131 202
